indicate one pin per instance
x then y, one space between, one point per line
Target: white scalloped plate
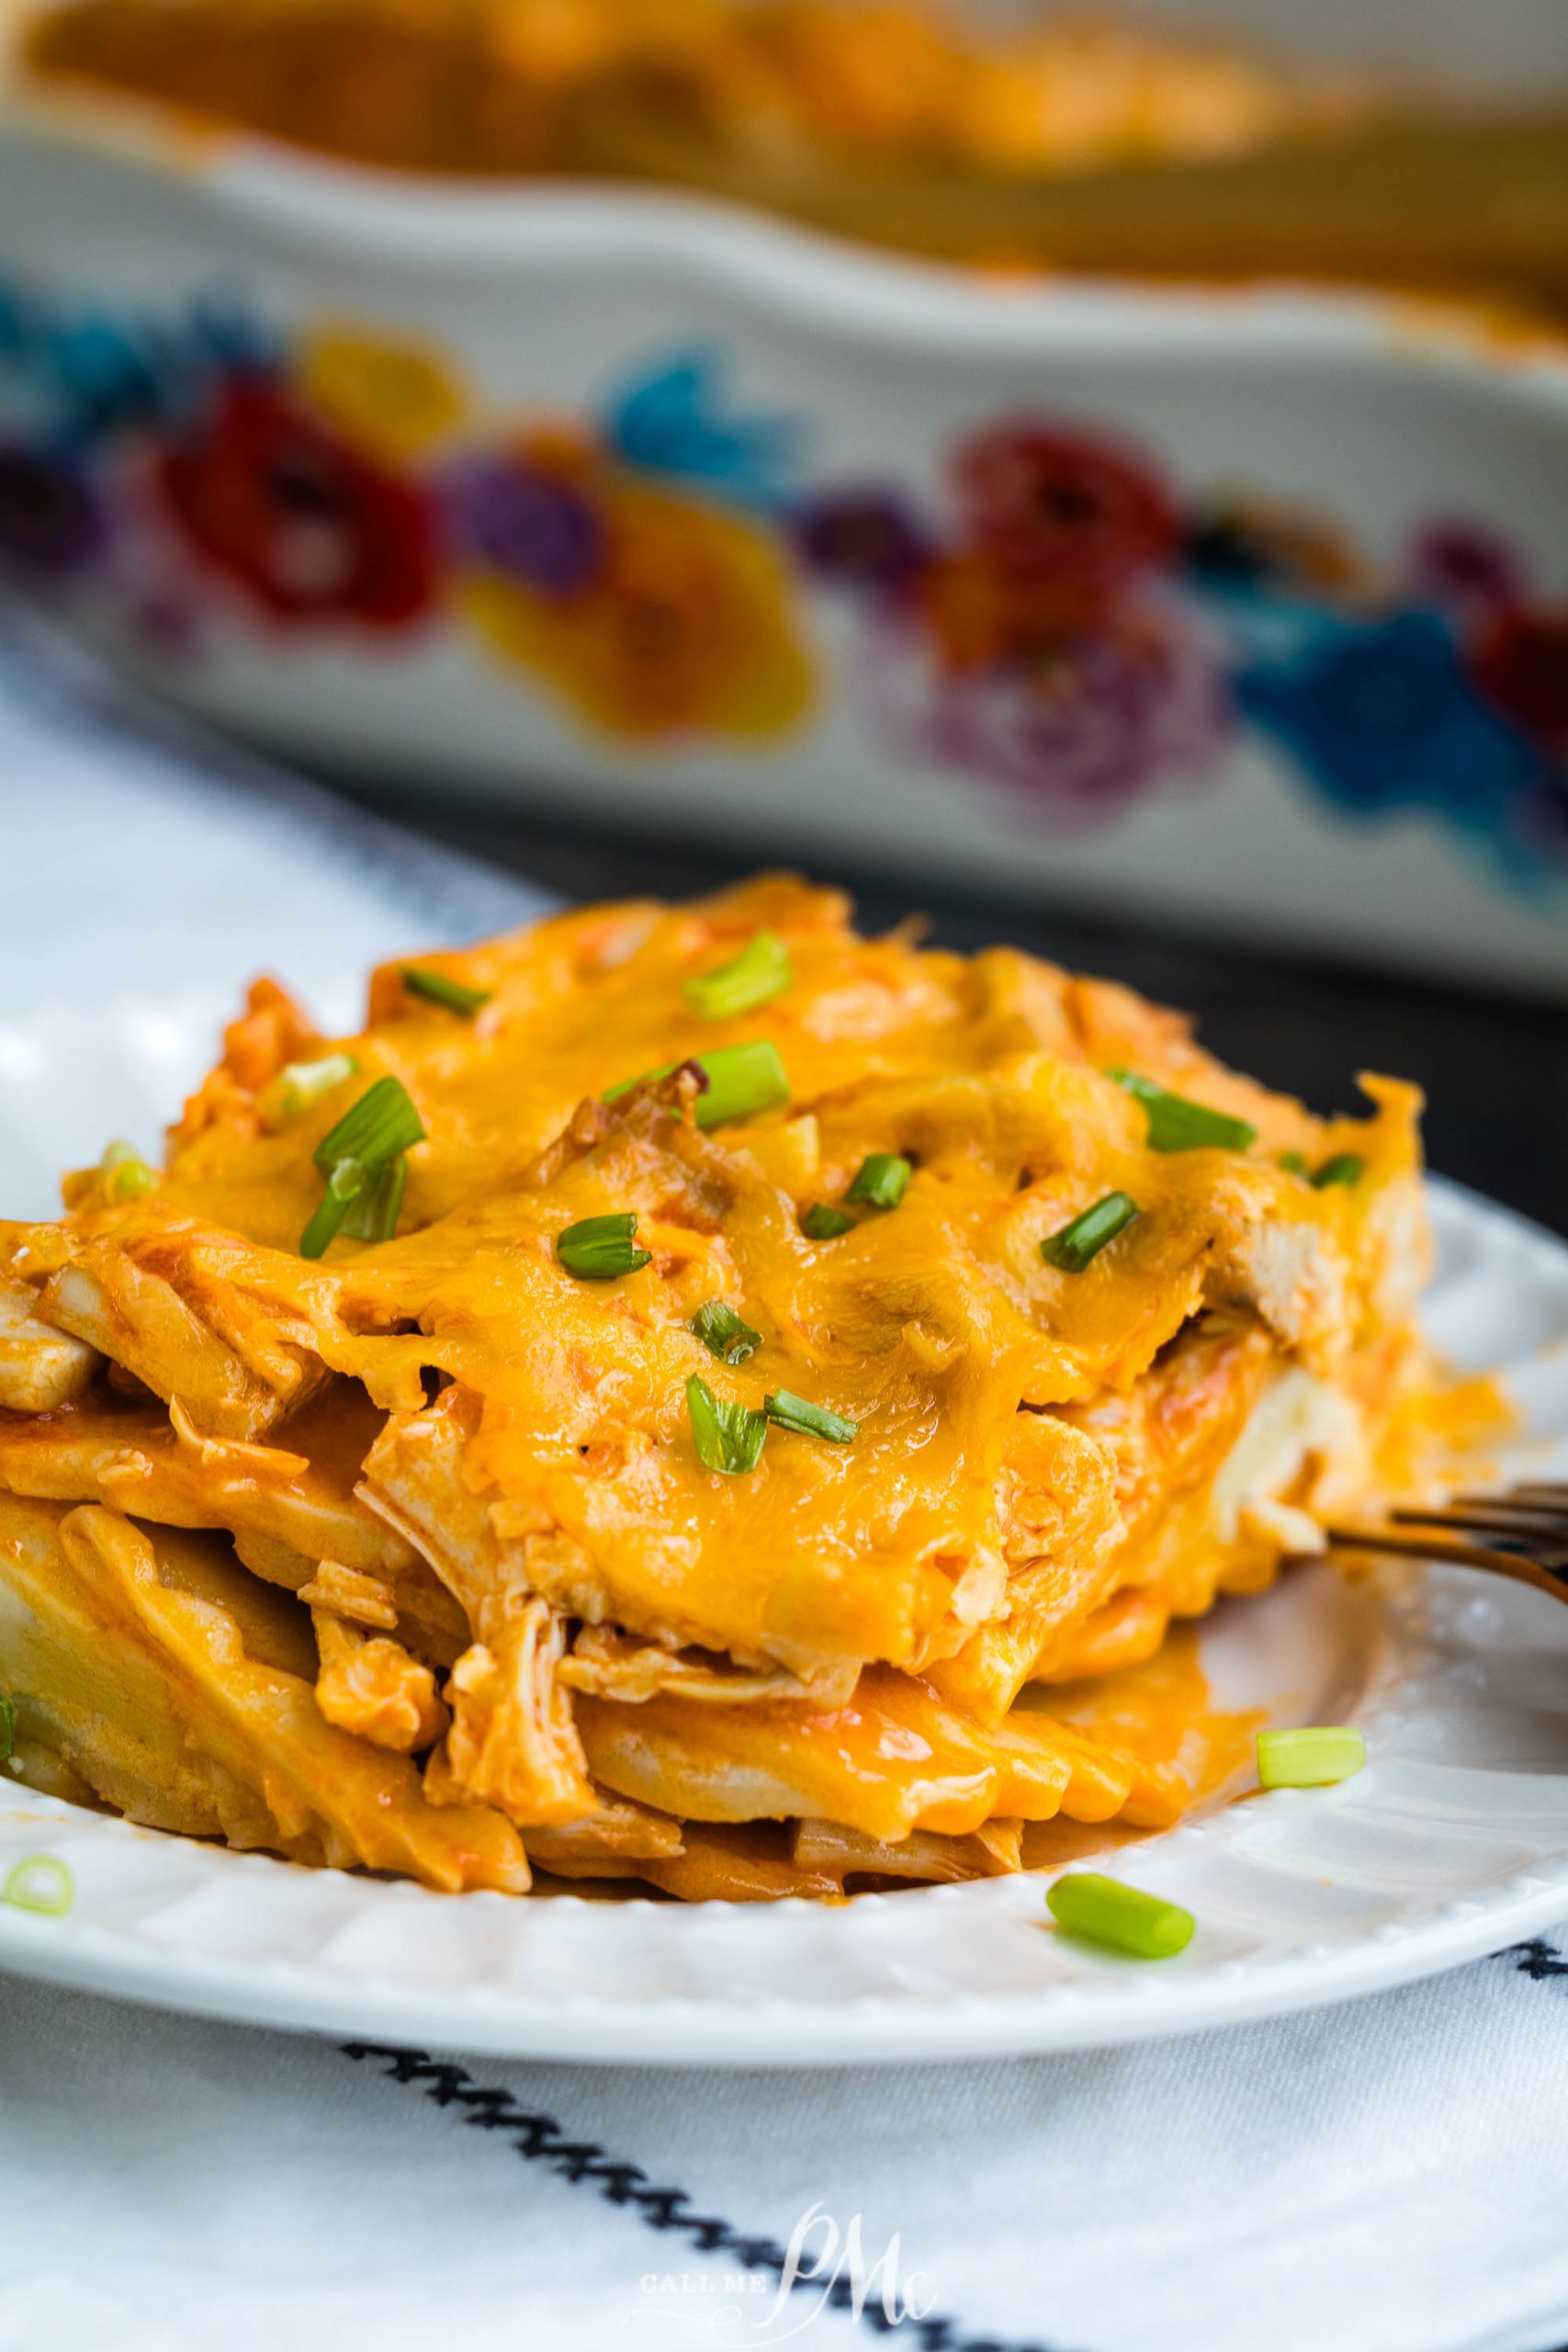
1452 1842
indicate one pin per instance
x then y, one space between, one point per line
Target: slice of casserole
656 1397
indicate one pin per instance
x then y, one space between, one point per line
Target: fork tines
1522 1532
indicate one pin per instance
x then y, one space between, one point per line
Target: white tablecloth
1387 2176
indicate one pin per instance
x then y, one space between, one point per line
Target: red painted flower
1520 667
306 527
1077 509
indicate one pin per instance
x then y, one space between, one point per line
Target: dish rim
767 263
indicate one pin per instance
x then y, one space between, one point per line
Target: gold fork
1521 1534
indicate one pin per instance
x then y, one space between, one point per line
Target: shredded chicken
40 1366
608 1665
371 1687
512 1741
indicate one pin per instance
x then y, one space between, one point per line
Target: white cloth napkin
1391 2176
138 854
1387 2176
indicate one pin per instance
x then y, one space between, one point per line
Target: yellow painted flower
397 398
684 628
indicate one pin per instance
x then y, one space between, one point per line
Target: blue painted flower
223 334
1381 718
1266 630
519 519
674 422
20 325
867 537
90 374
103 377
52 525
96 375
214 344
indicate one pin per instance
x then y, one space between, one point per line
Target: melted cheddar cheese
471 1474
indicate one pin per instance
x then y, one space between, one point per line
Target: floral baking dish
1245 607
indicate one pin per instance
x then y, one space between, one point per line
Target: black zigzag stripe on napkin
1535 1960
538 2139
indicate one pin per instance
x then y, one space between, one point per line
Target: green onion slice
38 1882
880 1181
1079 1243
599 1249
1176 1125
360 1158
806 1420
759 971
302 1083
729 1436
741 1081
381 1123
1309 1758
1107 1911
1292 1162
7 1728
345 1185
126 1173
1345 1168
373 1213
724 1334
822 1223
453 996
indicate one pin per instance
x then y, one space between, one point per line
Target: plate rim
1113 2003
766 2036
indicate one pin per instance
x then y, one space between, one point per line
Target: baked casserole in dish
1081 142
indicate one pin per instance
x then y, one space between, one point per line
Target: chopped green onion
359 1158
598 1249
1309 1758
7 1728
1107 1911
880 1181
1079 1243
1345 1168
1292 1162
822 1223
723 1332
38 1882
728 1437
1176 1125
451 996
381 1123
302 1083
126 1173
345 1185
741 1081
759 971
806 1420
373 1213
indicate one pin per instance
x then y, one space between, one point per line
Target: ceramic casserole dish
1244 606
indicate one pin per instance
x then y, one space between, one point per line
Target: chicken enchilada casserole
673 1400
